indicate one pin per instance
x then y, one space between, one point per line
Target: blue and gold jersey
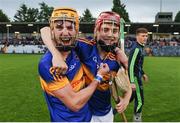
100 102
51 81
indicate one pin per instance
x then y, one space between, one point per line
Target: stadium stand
23 38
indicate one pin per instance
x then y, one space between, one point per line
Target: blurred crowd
156 47
26 40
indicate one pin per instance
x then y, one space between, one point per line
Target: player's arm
76 100
132 60
82 49
57 59
121 57
125 98
144 76
122 105
60 87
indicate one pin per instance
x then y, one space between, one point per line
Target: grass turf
21 97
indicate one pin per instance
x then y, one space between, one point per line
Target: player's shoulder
44 67
45 61
134 46
88 40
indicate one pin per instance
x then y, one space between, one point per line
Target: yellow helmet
65 14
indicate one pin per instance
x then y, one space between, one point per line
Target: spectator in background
135 70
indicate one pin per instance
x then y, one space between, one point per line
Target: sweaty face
142 38
64 32
109 33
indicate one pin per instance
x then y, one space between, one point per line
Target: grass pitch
21 97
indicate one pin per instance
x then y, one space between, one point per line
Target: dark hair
141 30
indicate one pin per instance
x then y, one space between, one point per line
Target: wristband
98 78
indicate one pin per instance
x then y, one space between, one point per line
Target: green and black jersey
136 58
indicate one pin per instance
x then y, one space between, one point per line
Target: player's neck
65 54
102 53
139 42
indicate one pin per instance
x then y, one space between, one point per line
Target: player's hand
57 61
145 78
133 86
121 57
103 69
122 105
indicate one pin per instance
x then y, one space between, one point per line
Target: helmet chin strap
107 48
65 48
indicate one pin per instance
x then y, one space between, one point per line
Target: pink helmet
107 16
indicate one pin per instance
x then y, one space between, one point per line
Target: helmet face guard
107 18
58 19
107 48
